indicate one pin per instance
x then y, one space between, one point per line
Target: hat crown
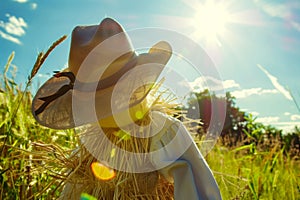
86 38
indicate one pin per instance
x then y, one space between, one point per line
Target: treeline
240 128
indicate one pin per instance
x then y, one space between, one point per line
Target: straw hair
125 186
77 177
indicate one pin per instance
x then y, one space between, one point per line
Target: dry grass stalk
42 57
36 65
10 59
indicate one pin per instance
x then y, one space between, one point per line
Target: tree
206 105
239 128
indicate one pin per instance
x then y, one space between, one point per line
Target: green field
30 156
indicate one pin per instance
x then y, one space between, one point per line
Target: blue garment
178 159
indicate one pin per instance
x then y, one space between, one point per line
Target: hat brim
59 114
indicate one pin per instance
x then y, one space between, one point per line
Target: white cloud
254 113
212 83
230 84
239 94
295 117
296 25
33 6
276 10
21 1
13 27
287 113
244 110
10 38
276 84
286 126
283 11
267 120
44 75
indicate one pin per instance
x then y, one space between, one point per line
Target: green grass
29 153
260 175
26 169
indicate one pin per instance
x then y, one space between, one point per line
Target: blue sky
255 47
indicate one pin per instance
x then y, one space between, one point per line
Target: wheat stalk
42 57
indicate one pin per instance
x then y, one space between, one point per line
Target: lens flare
102 172
85 196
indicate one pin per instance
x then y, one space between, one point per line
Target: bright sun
210 21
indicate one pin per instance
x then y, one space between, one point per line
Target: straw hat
106 80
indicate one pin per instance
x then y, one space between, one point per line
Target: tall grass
23 173
27 171
256 175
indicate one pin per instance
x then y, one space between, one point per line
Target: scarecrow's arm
192 176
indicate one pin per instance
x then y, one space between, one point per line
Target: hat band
88 87
108 81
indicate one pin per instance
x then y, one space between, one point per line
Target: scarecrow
131 146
